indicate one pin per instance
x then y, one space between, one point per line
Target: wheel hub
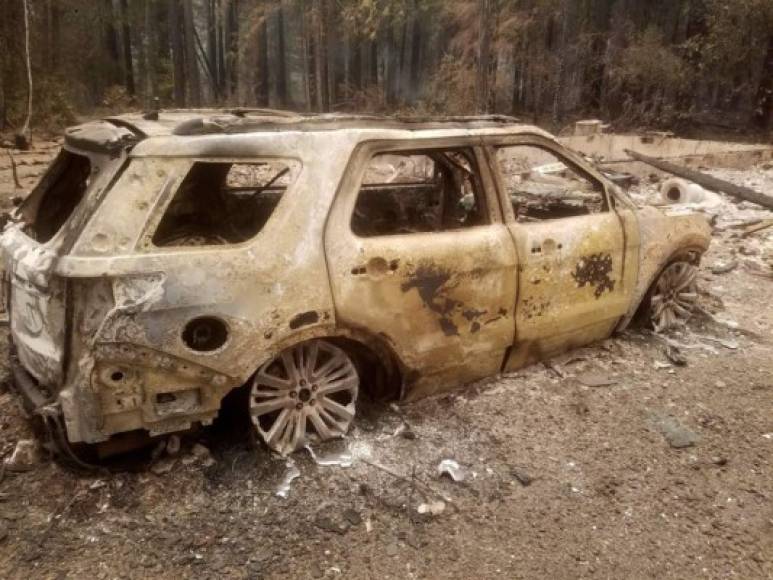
306 393
674 297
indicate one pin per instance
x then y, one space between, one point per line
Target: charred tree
484 56
191 61
178 53
128 66
23 137
763 111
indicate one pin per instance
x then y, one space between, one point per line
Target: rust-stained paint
434 285
594 270
98 313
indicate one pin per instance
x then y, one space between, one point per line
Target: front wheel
307 393
674 295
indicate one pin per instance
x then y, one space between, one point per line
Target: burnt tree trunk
232 47
763 112
191 64
178 50
320 57
128 66
112 43
281 58
212 47
484 56
263 72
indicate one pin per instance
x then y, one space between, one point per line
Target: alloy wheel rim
675 296
307 393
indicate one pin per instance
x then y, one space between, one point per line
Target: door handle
376 268
547 246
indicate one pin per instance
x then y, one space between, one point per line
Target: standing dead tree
23 137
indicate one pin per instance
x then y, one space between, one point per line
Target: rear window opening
224 203
57 195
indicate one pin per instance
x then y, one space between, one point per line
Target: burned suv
167 259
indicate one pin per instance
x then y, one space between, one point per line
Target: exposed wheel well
380 376
691 255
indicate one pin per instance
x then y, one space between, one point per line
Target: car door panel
442 300
575 274
570 282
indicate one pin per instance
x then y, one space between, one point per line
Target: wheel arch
373 356
690 253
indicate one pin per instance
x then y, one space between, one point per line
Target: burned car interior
223 203
414 191
543 187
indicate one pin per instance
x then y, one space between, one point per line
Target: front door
419 256
571 246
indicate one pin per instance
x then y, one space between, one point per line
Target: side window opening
542 187
419 191
57 195
224 202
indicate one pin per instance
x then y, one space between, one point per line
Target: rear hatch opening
43 228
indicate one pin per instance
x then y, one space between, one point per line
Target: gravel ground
664 472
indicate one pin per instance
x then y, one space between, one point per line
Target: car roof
164 131
192 122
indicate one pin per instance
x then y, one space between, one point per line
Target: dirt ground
665 471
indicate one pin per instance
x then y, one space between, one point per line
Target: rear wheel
307 393
674 296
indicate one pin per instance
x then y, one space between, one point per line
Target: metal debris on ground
163 466
200 453
341 458
452 469
754 228
523 478
724 267
404 430
675 355
291 473
25 456
173 445
596 379
728 344
433 508
677 435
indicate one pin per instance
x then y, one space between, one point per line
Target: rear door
419 255
572 279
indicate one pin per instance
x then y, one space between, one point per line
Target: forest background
674 64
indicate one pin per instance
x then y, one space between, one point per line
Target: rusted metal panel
571 285
443 300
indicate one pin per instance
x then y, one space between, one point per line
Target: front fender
663 238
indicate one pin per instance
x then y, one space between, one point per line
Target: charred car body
167 259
